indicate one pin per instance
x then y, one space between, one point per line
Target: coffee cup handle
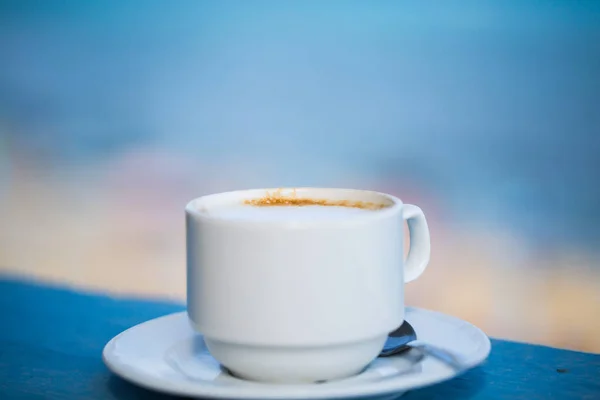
420 246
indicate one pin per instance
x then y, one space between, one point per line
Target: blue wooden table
51 341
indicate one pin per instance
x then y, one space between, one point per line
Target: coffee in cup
299 285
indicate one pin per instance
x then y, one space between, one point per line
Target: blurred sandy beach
123 234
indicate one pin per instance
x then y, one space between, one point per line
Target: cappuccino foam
287 212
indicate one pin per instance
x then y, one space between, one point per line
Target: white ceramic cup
300 301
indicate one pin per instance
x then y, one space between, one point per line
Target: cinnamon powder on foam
278 199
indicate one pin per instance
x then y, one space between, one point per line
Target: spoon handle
445 356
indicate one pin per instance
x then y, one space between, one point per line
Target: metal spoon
405 338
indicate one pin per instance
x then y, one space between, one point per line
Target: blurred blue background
113 114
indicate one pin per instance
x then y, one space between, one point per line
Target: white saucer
166 355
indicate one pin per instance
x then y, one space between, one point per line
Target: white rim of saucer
335 390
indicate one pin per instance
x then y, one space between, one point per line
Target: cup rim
193 207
